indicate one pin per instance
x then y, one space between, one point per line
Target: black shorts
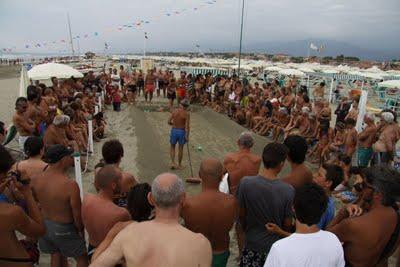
140 83
132 88
161 84
171 95
122 82
221 93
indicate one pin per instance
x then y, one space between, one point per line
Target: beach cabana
48 70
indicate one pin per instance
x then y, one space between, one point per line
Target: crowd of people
279 220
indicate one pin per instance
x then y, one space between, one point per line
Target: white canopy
23 82
305 69
292 72
273 68
48 70
330 71
390 84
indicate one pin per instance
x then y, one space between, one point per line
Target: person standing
297 150
264 199
149 85
60 202
365 141
211 212
308 246
180 122
162 241
108 181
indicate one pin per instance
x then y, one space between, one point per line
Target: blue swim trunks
177 136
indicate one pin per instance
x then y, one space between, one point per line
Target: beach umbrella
292 72
48 70
273 68
390 84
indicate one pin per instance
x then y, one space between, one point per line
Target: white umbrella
390 84
48 70
273 68
305 69
330 71
292 72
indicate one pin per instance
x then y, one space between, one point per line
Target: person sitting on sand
180 122
297 150
113 152
60 203
144 244
282 121
24 125
211 212
337 145
108 182
56 133
26 220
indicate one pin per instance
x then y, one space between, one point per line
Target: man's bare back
241 164
212 214
99 216
299 176
53 192
156 244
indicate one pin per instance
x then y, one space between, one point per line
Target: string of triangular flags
132 25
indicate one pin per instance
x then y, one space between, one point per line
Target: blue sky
372 24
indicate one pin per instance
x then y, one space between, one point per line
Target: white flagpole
78 172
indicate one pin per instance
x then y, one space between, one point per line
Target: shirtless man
300 174
350 141
180 122
211 212
24 125
34 164
389 134
365 141
353 113
60 202
99 213
319 91
113 152
144 244
13 217
149 85
241 163
366 232
56 133
34 112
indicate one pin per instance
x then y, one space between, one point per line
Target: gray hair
61 120
246 140
388 117
167 196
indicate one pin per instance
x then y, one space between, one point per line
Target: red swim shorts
181 92
150 88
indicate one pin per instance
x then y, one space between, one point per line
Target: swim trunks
181 92
177 136
364 156
150 88
220 260
251 258
62 238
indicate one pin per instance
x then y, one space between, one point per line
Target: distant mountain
333 48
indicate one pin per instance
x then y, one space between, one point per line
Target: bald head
106 176
167 190
211 171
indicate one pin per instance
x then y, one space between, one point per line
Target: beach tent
48 70
23 82
292 72
390 84
273 68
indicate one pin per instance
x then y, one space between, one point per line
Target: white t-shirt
317 249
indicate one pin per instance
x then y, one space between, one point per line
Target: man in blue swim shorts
180 122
